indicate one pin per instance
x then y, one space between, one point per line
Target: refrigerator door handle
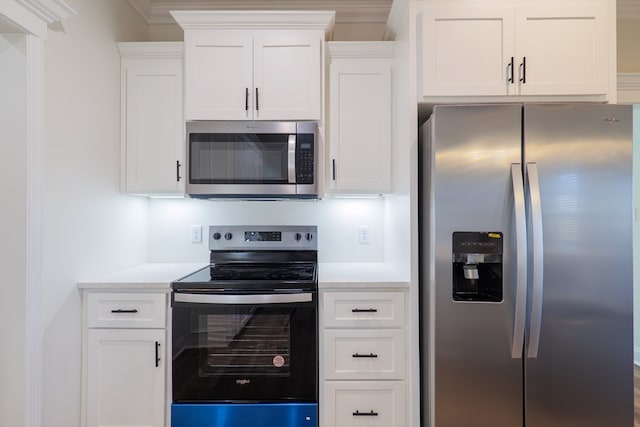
537 260
521 261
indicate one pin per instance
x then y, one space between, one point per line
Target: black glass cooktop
241 275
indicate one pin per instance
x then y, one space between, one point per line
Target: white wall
342 32
338 220
628 33
13 228
89 228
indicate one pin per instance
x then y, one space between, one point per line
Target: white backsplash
338 221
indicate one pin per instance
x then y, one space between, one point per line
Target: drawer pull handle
365 414
364 310
124 311
370 355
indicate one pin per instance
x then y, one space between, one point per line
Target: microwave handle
292 159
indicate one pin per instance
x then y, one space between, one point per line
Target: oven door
245 347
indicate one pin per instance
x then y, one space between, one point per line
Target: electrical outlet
196 234
363 235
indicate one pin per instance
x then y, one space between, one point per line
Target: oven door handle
244 299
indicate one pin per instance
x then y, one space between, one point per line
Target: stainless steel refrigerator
526 266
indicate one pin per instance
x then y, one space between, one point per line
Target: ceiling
373 11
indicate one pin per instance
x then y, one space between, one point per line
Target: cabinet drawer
124 310
364 404
364 354
363 309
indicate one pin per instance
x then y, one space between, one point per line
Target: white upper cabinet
360 109
564 47
254 66
152 118
515 49
466 50
218 75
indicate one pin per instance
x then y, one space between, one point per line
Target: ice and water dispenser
477 266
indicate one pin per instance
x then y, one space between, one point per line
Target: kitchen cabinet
522 49
254 66
364 357
124 364
360 109
152 121
266 75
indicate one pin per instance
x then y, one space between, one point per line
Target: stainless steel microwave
252 159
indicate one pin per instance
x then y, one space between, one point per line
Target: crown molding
49 11
32 16
628 9
347 11
266 19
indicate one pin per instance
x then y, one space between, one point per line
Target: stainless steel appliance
252 159
245 333
526 266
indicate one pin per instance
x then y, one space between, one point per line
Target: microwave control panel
304 158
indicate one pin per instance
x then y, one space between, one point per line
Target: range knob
216 236
309 236
228 236
298 236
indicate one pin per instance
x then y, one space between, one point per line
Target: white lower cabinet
364 404
124 363
364 358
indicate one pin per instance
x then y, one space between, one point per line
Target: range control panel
269 237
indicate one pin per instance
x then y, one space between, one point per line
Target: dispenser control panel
477 266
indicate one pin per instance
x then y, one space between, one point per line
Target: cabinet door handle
119 311
333 169
523 70
246 99
363 356
365 414
178 177
510 79
364 310
257 105
157 353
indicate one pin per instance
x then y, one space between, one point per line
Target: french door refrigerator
526 266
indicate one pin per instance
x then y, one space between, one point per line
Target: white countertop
330 275
145 276
362 274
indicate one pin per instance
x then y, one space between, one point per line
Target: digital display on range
262 236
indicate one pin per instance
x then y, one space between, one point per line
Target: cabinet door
565 49
125 377
154 126
218 75
467 51
287 76
360 127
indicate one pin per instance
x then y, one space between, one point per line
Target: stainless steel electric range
245 331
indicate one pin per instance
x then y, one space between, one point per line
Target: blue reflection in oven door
244 415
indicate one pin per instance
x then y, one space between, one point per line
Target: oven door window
221 158
244 353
